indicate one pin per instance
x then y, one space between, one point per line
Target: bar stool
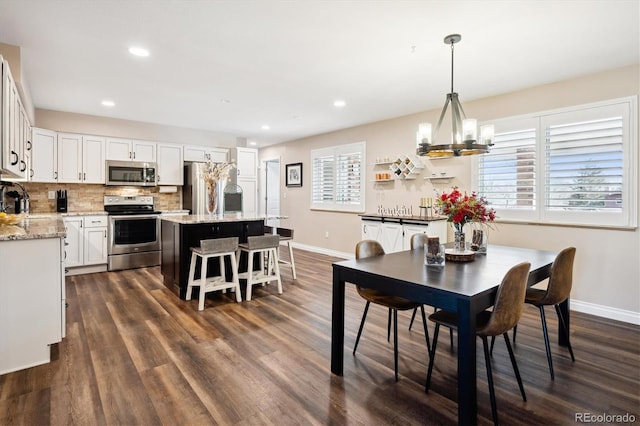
262 244
219 247
286 234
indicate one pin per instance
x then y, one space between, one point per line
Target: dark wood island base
180 233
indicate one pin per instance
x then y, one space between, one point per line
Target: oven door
133 234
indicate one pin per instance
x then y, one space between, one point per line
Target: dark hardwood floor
135 354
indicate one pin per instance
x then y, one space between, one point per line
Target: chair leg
515 329
364 317
203 283
249 274
432 357
413 316
426 330
395 342
563 323
192 272
492 393
276 268
515 366
389 326
234 276
291 261
546 340
493 340
451 339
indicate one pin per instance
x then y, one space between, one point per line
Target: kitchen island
32 291
180 233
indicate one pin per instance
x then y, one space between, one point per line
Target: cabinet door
11 153
196 153
69 158
74 241
249 196
170 170
409 230
218 155
247 163
95 246
391 237
44 156
144 151
119 149
93 159
371 230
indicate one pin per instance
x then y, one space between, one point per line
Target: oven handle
114 217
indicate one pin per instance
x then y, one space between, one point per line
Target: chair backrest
263 242
418 241
268 229
219 245
285 233
368 248
509 302
561 278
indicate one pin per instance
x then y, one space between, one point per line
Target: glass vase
212 199
478 239
458 238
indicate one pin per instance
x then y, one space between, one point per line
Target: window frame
540 214
334 152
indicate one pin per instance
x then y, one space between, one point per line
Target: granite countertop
402 218
34 227
206 218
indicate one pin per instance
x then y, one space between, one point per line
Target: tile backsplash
86 197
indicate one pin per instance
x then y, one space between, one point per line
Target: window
337 178
574 166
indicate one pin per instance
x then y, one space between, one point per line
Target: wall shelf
439 179
407 167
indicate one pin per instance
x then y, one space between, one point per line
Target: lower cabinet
395 234
32 301
86 241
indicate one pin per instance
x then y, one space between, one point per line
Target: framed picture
294 174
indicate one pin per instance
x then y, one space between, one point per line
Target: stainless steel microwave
131 173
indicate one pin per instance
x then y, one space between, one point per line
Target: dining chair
506 312
370 248
557 291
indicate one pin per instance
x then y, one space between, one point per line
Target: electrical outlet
52 195
326 234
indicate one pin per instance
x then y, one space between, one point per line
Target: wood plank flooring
135 354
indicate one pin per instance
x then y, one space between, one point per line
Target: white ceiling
283 63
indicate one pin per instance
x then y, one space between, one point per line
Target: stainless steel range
133 233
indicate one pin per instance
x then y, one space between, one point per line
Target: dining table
465 288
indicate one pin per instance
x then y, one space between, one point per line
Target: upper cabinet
247 163
203 154
130 150
81 158
170 162
14 128
44 156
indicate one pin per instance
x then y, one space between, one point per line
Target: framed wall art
293 174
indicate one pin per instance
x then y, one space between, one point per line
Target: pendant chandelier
464 137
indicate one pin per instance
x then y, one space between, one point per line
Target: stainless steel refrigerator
195 196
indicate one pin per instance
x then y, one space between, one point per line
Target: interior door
272 197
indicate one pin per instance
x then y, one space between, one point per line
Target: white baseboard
576 305
86 269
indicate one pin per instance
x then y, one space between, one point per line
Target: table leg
563 339
337 325
467 392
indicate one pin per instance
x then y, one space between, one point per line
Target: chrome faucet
25 195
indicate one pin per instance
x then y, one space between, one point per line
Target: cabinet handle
79 176
31 173
55 175
22 163
28 145
105 234
13 163
134 155
130 155
84 176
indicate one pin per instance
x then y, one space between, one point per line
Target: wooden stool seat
263 244
219 247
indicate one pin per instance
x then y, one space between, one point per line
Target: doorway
272 191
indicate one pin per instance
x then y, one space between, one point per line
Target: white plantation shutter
584 166
571 166
338 178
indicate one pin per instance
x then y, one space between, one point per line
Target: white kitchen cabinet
74 241
95 240
80 158
249 196
203 154
246 160
436 228
247 163
395 235
12 161
31 302
391 237
44 155
371 230
170 164
130 150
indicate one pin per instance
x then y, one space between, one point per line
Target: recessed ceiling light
108 103
253 143
138 51
339 103
225 101
265 127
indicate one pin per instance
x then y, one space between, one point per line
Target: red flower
461 209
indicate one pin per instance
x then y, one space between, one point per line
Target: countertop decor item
212 174
461 209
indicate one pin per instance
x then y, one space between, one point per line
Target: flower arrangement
212 174
463 208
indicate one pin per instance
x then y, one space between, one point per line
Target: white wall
607 267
